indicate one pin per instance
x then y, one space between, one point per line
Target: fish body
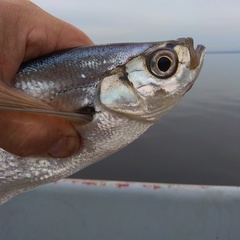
111 93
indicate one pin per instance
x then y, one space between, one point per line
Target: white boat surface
93 209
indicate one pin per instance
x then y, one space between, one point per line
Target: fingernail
64 147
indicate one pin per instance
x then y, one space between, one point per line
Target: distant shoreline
223 52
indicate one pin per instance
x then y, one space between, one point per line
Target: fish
111 93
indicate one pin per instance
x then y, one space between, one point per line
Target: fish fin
13 100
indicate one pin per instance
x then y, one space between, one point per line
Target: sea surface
198 142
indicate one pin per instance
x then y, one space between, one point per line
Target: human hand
26 32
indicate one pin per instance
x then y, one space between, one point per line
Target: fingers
28 32
50 34
27 134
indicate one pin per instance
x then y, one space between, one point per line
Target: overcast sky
213 23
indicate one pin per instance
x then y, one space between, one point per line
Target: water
195 143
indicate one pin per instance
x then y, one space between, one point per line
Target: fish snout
196 54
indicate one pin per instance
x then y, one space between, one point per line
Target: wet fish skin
111 93
76 71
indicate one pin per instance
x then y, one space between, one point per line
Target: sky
213 23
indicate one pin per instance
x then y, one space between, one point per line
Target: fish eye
163 63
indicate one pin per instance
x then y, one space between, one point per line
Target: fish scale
111 93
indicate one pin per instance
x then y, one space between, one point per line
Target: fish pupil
164 63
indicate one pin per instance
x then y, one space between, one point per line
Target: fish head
150 84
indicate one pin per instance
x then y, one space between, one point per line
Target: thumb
22 132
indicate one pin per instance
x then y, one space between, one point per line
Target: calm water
195 143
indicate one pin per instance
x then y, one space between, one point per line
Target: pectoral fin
14 100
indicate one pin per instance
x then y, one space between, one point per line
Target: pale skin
26 32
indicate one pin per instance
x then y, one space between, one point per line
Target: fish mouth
196 55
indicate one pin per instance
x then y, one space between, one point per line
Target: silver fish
112 94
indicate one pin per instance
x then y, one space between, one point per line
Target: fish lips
196 58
